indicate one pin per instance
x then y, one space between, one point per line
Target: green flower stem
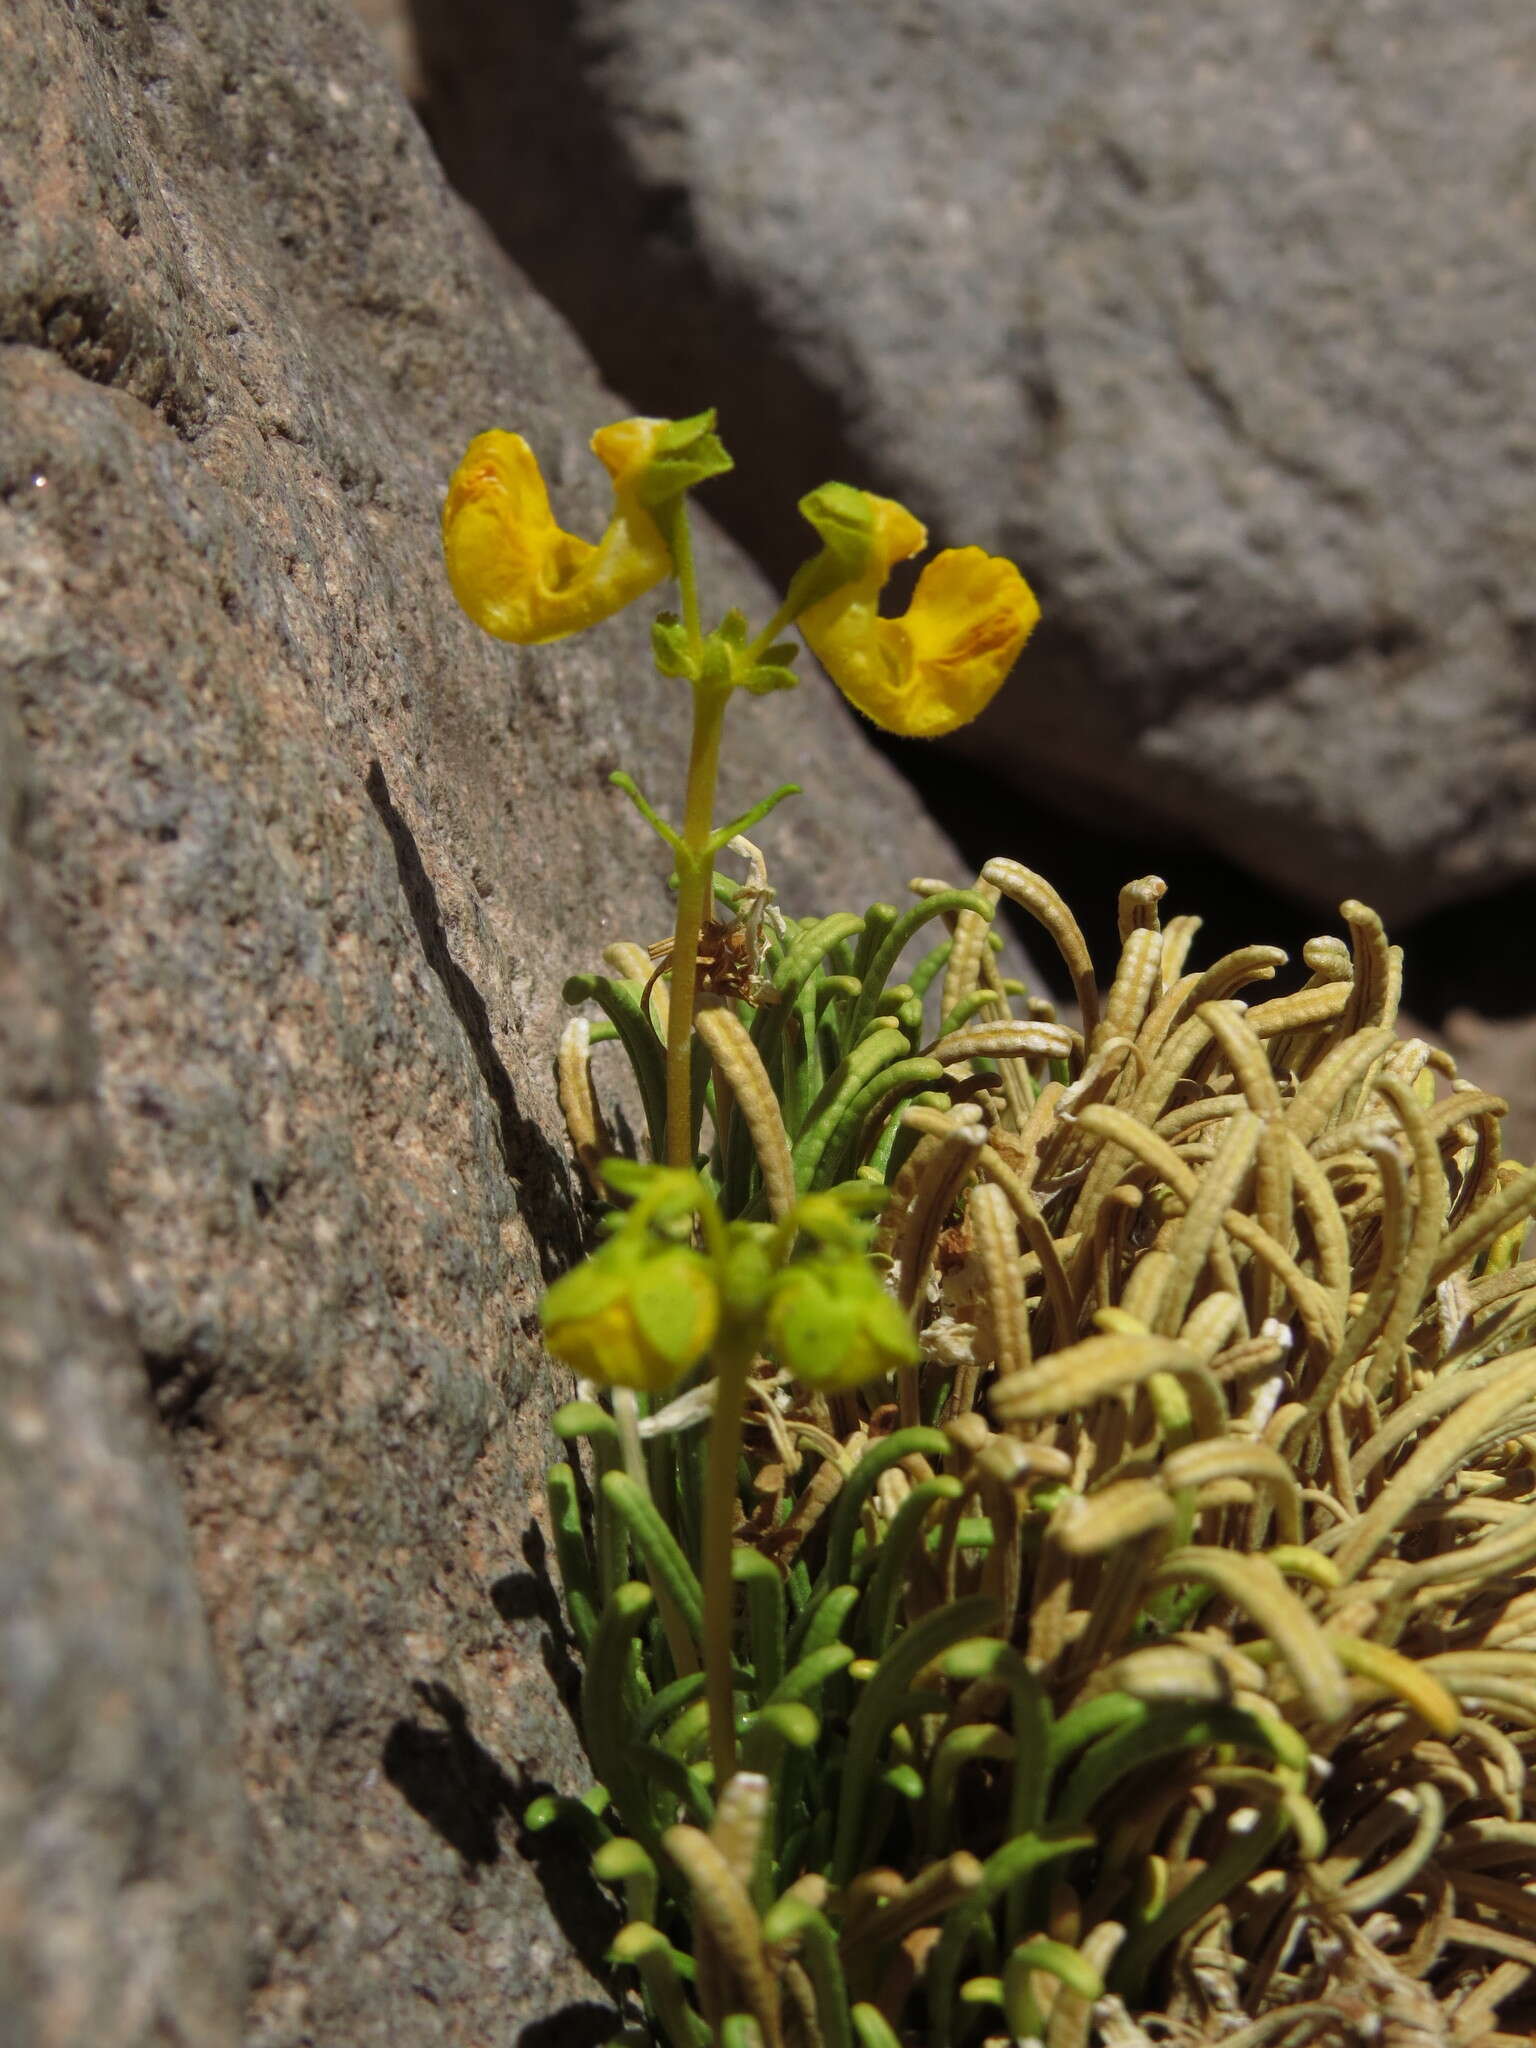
695 873
733 1364
695 849
673 521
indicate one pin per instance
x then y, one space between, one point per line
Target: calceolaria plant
1051 1517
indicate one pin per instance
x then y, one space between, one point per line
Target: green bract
687 452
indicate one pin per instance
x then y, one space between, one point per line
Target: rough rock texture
300 862
121 1825
1216 318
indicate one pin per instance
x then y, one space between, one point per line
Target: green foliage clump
1165 1641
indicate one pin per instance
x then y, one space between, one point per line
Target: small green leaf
766 676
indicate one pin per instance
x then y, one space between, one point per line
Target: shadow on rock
450 1779
444 1773
531 1596
575 2026
533 1165
526 134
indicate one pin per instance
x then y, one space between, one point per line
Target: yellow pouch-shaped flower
519 574
633 1317
940 664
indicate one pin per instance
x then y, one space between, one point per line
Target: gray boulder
1215 318
296 863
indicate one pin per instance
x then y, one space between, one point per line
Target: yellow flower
942 663
633 1317
520 575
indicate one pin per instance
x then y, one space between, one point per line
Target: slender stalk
679 537
695 876
733 1364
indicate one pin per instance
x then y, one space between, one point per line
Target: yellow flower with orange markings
941 663
516 571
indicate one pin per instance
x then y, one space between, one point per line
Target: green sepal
670 649
717 663
846 523
688 452
751 1267
835 1216
639 1312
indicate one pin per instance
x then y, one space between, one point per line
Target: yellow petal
969 618
939 665
608 1345
897 536
625 449
515 570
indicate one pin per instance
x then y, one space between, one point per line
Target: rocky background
1219 324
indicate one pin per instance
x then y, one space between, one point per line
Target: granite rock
1214 318
298 866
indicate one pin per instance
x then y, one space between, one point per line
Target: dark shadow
575 2026
531 1596
1480 955
446 1776
987 815
178 1383
463 1794
533 1165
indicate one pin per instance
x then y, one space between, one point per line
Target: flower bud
833 1325
633 1315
